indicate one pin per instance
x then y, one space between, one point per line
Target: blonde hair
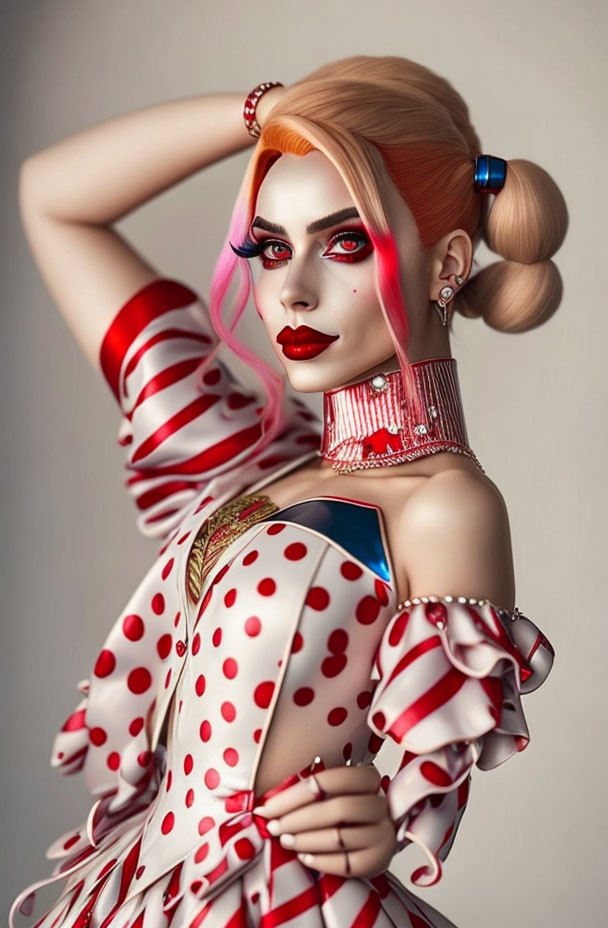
389 119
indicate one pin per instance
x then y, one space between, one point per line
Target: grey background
530 850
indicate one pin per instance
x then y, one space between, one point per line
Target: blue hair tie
490 174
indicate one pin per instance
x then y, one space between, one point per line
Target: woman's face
314 280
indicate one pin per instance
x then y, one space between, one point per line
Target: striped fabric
183 422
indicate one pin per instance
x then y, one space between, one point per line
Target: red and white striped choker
368 424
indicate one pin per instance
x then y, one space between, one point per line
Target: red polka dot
113 760
158 604
379 720
196 643
98 736
217 637
350 570
205 824
167 568
205 730
318 598
262 694
143 758
188 764
181 540
434 774
303 696
133 627
105 664
168 678
249 558
139 680
257 735
244 848
398 629
212 376
295 551
337 641
229 598
231 757
167 823
347 750
71 842
163 646
139 872
176 619
169 779
297 643
381 592
375 743
136 726
367 610
189 797
275 528
230 668
212 778
228 711
364 698
201 853
253 626
205 602
337 715
200 685
333 665
237 400
266 587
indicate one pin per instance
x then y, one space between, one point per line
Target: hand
308 824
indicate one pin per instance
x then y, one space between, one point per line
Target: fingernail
287 840
305 858
273 826
260 810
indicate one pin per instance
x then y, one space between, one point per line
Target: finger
369 861
332 780
337 838
357 809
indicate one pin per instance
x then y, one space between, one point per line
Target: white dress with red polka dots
295 607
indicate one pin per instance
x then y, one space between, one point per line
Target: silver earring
441 305
446 294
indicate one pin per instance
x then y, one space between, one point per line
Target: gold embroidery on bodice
218 532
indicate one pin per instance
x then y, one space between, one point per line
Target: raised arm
71 193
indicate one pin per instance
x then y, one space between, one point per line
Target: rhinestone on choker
369 423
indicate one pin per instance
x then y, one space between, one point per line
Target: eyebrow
333 219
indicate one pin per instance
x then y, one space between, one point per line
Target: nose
298 292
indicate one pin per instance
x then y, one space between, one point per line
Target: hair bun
511 296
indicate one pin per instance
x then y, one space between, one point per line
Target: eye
349 245
273 252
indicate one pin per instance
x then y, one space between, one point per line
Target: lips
303 343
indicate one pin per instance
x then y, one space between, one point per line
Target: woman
345 582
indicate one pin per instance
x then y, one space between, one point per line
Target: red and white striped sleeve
181 425
451 674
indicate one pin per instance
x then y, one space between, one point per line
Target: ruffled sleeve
185 419
451 674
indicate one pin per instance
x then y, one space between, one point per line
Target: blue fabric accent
355 527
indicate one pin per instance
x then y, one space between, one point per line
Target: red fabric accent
152 300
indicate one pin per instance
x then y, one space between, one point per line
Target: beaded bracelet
250 106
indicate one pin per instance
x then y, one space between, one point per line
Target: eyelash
251 249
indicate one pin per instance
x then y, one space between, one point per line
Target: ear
450 258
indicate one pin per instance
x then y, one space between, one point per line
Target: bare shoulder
455 537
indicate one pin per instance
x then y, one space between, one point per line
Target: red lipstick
303 343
